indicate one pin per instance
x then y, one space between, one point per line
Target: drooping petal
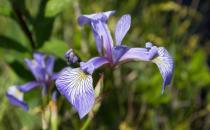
122 27
28 86
87 19
77 87
164 61
98 23
93 64
158 55
50 64
117 52
15 97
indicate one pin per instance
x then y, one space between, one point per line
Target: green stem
87 123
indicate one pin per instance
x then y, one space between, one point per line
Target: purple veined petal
15 97
86 19
40 59
118 52
103 37
98 23
38 72
99 41
28 86
164 61
122 27
50 64
32 66
142 54
158 55
93 64
77 87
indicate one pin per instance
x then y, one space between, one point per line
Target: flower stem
87 123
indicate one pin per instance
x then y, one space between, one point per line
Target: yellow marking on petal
82 75
15 92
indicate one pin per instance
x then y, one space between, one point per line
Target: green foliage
131 97
55 7
56 47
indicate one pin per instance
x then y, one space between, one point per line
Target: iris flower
76 84
42 69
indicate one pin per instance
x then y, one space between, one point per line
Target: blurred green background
134 100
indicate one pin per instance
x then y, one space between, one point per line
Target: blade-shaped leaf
42 25
8 43
21 70
55 7
56 47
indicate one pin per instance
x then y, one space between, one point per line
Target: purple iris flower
76 84
71 57
42 69
15 97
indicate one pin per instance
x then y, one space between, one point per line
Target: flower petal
101 30
34 67
40 59
117 52
15 97
28 86
77 87
140 54
165 64
98 23
93 64
50 64
83 19
158 55
122 27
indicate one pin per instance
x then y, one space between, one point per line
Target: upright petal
77 87
36 70
87 19
93 64
50 64
122 27
164 61
98 23
28 86
15 97
40 59
101 30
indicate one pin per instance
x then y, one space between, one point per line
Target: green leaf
56 47
5 10
21 70
55 7
43 29
8 43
